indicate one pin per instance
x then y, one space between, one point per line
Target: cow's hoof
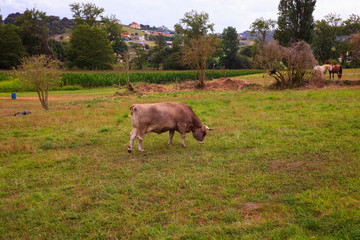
129 150
141 150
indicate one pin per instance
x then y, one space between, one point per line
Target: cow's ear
204 128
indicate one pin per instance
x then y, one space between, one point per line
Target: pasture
278 165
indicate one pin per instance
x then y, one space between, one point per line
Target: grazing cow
163 117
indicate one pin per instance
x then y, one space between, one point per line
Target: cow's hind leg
140 137
171 134
132 138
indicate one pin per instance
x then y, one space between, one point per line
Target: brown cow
163 117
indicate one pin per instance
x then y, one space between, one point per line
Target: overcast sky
236 13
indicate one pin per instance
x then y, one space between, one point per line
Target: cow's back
160 117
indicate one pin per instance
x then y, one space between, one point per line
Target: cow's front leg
171 134
182 130
140 138
132 138
183 139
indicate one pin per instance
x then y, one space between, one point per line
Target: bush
13 85
289 66
4 76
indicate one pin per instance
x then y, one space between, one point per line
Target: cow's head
200 133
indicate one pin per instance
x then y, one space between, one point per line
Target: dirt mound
226 84
151 88
229 84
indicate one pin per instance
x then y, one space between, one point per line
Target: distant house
117 21
134 25
125 35
165 34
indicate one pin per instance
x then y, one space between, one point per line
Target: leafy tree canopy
11 47
295 21
261 27
34 32
194 25
230 47
89 48
86 13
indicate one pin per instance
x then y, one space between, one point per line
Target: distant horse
334 69
322 69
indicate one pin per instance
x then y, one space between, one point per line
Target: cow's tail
340 72
132 108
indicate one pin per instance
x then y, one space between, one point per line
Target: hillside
132 30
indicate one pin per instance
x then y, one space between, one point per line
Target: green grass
278 165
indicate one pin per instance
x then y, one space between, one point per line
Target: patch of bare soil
228 84
252 210
152 88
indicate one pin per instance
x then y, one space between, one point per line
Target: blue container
13 96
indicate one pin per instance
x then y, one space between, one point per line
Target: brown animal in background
163 117
334 69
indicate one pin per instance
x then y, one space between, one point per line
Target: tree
230 47
197 53
289 66
11 47
89 48
11 18
119 67
86 13
59 49
42 73
140 58
260 28
114 31
327 33
173 60
34 32
295 21
158 53
351 25
194 25
355 45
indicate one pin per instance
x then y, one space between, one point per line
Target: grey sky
236 13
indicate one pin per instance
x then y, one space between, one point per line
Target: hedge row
108 79
88 80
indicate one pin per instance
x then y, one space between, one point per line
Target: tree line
96 44
96 41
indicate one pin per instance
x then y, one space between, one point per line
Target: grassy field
278 165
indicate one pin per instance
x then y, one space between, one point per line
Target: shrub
41 73
289 66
